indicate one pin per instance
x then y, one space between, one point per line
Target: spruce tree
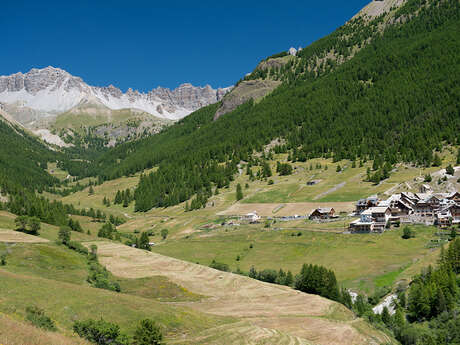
239 192
144 241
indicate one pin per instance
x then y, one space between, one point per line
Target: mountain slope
23 159
395 100
320 58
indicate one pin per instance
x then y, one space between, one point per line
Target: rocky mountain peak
52 90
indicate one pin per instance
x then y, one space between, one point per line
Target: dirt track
273 312
288 209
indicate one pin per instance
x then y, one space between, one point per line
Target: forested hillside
395 100
23 164
23 159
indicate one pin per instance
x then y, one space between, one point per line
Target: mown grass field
361 262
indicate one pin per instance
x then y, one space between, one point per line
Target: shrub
148 333
219 266
37 317
100 332
100 278
78 247
407 233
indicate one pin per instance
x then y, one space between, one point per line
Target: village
377 215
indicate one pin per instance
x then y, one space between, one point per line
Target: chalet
322 213
373 219
443 218
434 201
425 188
409 198
380 215
363 224
454 197
364 204
400 210
423 209
454 210
251 217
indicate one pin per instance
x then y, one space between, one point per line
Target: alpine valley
315 202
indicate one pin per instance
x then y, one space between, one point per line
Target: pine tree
239 192
386 317
64 235
118 200
450 170
437 162
144 241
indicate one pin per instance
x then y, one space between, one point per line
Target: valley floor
199 305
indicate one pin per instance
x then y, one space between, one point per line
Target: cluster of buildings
376 215
442 209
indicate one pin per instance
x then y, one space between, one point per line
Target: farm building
322 213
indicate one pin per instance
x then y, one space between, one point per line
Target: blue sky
144 44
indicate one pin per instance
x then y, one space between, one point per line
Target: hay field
11 236
281 310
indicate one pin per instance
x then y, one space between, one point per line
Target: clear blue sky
144 44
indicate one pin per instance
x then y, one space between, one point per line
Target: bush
270 182
219 266
99 277
407 233
100 332
29 225
148 333
37 317
78 247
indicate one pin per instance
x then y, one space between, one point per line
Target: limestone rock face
50 91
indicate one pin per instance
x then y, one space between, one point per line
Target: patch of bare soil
268 308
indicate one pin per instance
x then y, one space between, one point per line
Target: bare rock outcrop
246 90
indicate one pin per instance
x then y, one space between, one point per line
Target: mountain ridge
51 91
